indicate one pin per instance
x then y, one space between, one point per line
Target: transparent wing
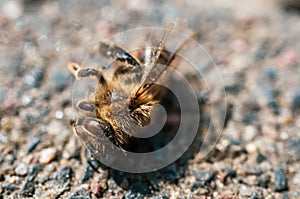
158 63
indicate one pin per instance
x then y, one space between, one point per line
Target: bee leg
86 106
115 52
127 62
85 72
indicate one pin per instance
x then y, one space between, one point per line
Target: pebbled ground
256 47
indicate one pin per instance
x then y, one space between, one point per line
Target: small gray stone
281 183
245 191
21 169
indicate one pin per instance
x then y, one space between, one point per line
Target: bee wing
156 53
159 62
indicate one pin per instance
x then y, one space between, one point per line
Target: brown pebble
47 155
98 190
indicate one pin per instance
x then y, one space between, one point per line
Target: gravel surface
255 45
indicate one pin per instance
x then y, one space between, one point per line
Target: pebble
59 114
12 9
162 196
250 133
120 178
200 187
98 190
138 187
32 143
130 195
171 173
264 181
62 180
260 157
295 106
49 167
261 52
281 182
9 188
288 58
5 38
296 179
87 173
26 100
256 195
266 93
3 138
34 78
64 175
21 169
137 190
28 187
80 194
245 191
60 81
203 176
2 178
47 155
229 171
270 73
2 94
251 148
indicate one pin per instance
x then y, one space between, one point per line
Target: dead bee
126 99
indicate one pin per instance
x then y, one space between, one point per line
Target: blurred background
255 45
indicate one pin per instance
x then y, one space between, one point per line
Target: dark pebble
64 175
139 188
32 143
62 180
281 182
162 196
254 196
203 176
270 73
264 181
295 106
285 195
80 194
34 78
267 92
8 188
250 118
2 178
87 173
294 147
230 172
28 186
2 94
60 81
120 179
151 177
15 65
262 51
131 195
252 170
46 96
260 157
171 173
233 88
198 185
